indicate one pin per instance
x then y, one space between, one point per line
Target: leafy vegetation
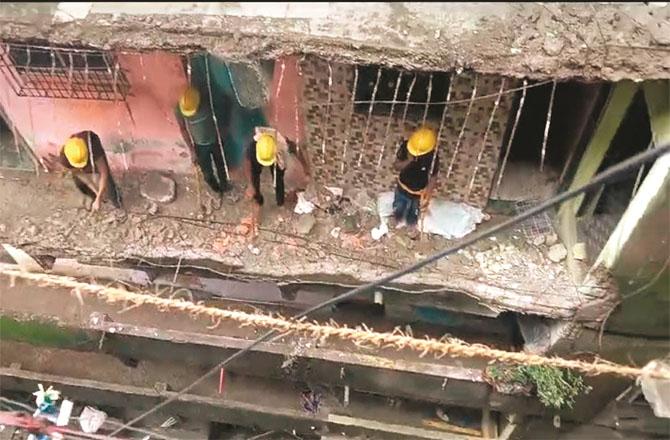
554 387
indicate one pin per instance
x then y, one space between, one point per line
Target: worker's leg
83 186
400 205
413 208
113 193
217 152
204 156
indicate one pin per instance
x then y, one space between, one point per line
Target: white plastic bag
657 391
91 419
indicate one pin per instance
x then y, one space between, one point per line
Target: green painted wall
236 122
43 333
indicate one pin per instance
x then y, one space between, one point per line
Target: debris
380 231
158 188
442 415
551 239
553 45
254 250
335 232
579 251
450 219
363 201
3 228
65 413
45 399
91 419
557 253
352 223
539 240
25 261
169 423
303 206
337 192
311 402
657 391
305 224
153 208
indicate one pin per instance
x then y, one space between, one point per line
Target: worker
415 182
268 149
83 154
198 129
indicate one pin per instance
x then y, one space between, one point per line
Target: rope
362 337
612 173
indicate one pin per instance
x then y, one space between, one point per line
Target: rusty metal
62 72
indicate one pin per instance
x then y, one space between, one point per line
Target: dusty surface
605 41
46 216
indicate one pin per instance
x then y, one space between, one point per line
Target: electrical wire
613 173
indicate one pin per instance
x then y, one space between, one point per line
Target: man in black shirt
265 151
414 161
83 154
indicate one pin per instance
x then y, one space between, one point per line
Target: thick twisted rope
364 336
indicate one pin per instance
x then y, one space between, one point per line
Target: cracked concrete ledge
537 41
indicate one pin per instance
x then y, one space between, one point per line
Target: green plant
554 387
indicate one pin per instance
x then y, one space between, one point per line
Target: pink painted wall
153 142
284 112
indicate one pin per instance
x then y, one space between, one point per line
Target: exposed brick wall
336 168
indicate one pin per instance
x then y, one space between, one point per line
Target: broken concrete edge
26 381
247 38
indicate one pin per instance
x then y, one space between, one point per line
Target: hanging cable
216 122
613 173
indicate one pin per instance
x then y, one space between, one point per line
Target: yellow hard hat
76 152
422 141
266 150
189 102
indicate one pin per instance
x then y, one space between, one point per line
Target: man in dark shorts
83 155
414 162
271 151
197 125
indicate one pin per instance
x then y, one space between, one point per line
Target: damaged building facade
527 101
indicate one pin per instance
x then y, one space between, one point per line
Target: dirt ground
48 216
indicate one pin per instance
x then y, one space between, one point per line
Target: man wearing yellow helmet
196 123
268 149
83 154
414 162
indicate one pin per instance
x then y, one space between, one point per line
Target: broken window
63 72
423 88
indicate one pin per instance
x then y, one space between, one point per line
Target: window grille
386 90
63 72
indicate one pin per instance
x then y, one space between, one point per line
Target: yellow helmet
266 150
422 141
76 152
189 102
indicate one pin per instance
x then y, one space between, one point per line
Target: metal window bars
63 72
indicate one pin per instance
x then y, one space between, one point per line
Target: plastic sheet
657 391
448 219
